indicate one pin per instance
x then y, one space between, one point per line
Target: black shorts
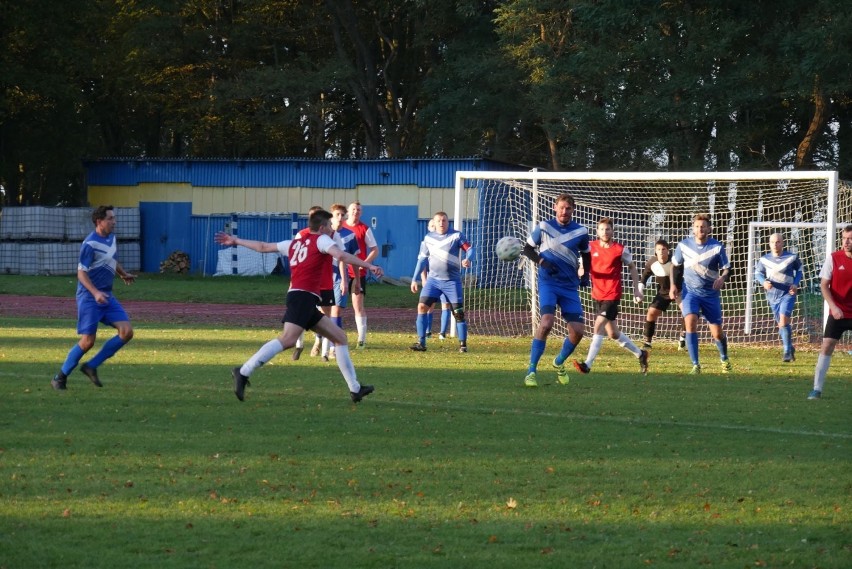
661 302
607 308
834 329
326 297
362 280
302 309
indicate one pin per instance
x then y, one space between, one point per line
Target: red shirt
360 230
606 270
308 262
841 282
327 276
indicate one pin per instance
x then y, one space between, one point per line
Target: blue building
182 202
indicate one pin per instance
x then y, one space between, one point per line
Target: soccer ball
509 248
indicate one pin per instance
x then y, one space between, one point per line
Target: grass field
450 463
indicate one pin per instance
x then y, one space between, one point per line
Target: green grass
191 288
450 463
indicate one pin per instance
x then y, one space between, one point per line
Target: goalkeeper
660 267
556 246
779 272
441 249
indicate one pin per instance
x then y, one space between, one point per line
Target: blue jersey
441 252
561 245
701 264
347 244
98 257
782 271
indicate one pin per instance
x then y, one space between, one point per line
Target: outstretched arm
229 240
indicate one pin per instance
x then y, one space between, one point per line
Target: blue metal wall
165 229
425 173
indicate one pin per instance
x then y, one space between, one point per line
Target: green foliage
580 85
451 462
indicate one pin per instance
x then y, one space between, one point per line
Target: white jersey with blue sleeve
702 264
442 253
98 257
561 245
782 271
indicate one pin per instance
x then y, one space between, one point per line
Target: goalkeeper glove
585 281
640 294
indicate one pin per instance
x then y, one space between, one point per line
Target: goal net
500 298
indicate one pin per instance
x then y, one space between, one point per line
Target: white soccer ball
509 248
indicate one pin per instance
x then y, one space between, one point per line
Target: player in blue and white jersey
345 239
96 271
700 267
779 272
557 246
441 249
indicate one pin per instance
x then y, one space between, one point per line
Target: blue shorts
340 299
783 306
434 289
568 300
90 313
708 306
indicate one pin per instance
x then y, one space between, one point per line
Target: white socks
628 344
266 352
344 363
819 373
594 349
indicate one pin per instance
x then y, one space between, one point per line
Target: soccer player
309 258
779 272
446 308
660 267
556 246
348 244
442 250
368 250
700 267
326 295
96 272
836 286
608 258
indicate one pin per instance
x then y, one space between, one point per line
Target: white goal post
500 298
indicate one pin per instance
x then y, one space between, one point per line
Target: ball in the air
509 248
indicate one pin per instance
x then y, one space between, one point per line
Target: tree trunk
805 150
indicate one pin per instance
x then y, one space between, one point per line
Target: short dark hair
847 229
662 242
100 213
565 198
317 219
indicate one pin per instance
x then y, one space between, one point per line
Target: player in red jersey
608 258
309 258
369 250
836 286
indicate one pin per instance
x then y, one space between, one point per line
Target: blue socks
107 351
445 321
722 346
536 351
785 332
461 330
421 328
567 349
692 346
72 359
